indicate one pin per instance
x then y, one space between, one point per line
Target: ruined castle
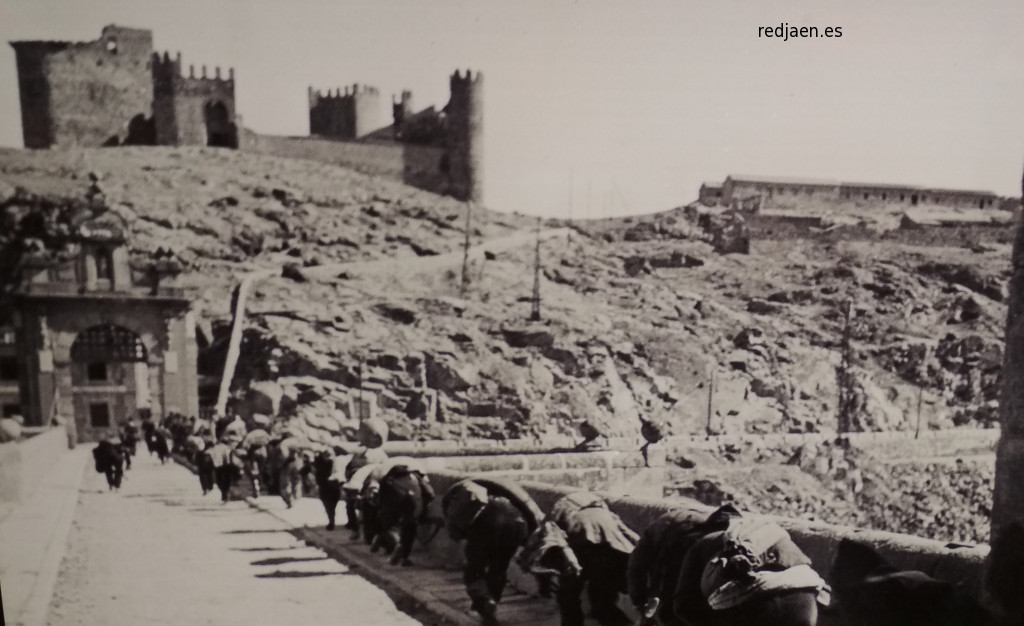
117 91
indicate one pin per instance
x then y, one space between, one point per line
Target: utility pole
535 314
360 372
465 250
844 374
711 395
920 393
568 235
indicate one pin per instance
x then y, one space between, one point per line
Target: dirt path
158 552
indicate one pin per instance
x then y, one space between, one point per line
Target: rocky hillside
638 314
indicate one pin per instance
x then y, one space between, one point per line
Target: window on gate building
96 372
99 415
9 369
104 265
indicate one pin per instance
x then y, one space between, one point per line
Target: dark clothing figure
205 469
404 497
148 430
329 490
160 446
223 468
491 542
224 476
583 544
654 566
493 529
110 461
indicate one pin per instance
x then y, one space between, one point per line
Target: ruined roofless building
449 141
116 91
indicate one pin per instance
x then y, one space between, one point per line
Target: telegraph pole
920 393
711 395
568 235
845 386
465 251
535 314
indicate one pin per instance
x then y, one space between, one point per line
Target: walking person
493 529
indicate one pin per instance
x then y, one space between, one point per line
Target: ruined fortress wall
188 109
193 100
419 166
86 94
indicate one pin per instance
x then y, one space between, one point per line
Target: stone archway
220 130
109 378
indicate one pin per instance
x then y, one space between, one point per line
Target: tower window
96 372
9 368
99 415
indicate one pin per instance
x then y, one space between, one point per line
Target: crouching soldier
493 529
327 484
109 458
405 493
223 468
582 543
371 435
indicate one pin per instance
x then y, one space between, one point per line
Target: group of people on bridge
728 568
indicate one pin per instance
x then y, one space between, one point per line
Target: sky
603 107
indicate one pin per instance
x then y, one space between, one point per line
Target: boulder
264 397
761 307
396 313
450 377
528 337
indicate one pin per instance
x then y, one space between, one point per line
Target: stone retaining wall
963 566
24 464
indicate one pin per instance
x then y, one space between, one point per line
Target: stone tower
465 116
95 93
352 114
192 110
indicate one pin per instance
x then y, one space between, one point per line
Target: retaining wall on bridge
24 464
929 442
959 565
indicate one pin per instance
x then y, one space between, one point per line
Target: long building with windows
781 191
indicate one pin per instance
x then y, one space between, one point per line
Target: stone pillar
89 258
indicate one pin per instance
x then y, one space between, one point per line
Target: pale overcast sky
637 101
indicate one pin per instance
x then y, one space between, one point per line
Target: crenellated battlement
469 79
117 90
168 76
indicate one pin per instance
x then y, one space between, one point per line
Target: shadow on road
281 560
280 574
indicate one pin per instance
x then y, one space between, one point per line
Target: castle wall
86 94
419 166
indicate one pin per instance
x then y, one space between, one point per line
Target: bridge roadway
159 552
433 586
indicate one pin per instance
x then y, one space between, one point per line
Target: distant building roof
781 180
819 182
973 192
709 184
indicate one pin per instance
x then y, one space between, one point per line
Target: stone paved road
158 552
